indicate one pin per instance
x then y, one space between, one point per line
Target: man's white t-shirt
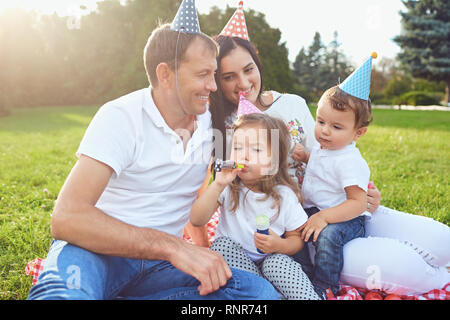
329 172
241 225
155 181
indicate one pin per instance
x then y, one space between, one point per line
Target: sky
363 26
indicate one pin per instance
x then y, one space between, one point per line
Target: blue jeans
329 257
74 273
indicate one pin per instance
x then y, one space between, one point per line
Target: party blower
219 165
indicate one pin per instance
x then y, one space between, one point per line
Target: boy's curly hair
342 101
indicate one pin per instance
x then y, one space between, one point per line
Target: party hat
358 83
186 19
236 26
245 106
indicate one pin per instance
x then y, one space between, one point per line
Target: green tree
425 40
301 69
308 67
320 67
336 66
50 60
398 86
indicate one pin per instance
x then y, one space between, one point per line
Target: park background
56 71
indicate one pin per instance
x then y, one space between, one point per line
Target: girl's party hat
186 19
358 83
245 106
236 26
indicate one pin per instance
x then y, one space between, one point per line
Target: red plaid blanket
35 267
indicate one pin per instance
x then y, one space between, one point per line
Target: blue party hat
186 19
358 83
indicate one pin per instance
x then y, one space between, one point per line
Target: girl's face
252 148
240 73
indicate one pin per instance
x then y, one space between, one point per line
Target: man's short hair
161 47
342 101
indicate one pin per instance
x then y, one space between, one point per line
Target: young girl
261 143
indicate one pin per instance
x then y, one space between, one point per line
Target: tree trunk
447 89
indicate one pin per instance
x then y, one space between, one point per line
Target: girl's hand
373 198
226 176
267 243
299 153
315 224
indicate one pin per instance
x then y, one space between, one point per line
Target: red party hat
236 26
245 106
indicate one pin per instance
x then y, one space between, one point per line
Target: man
123 207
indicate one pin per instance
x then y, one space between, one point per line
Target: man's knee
251 286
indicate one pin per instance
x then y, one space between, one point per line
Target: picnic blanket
35 267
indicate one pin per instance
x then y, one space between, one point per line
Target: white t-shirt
155 182
329 172
241 226
294 111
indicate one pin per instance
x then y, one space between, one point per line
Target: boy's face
335 129
251 148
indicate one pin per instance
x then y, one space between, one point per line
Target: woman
403 253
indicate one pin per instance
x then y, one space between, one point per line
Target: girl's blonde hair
280 177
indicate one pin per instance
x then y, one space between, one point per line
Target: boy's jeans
329 257
71 272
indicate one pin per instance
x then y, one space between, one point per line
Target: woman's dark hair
220 107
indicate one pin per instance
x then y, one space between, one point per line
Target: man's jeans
74 273
329 256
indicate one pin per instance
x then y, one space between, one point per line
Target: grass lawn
407 151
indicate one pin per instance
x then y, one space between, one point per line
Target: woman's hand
373 198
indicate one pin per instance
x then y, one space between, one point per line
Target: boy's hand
299 153
267 243
315 224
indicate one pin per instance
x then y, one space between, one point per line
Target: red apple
392 297
373 296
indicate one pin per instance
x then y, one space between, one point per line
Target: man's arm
76 220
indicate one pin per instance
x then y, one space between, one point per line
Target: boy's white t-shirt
329 172
241 226
155 182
